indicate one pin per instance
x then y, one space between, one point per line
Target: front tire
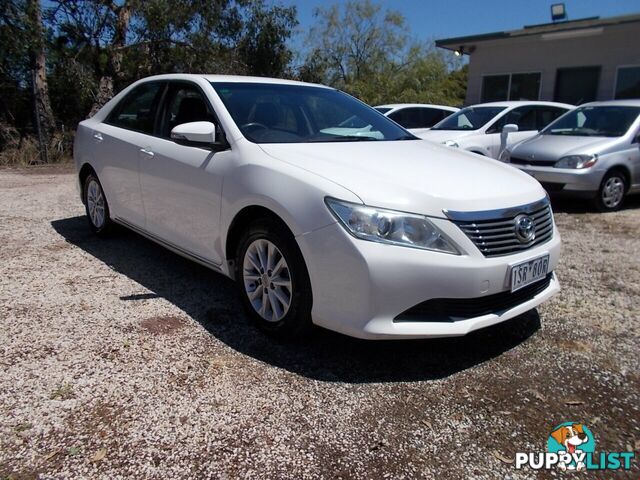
96 206
272 275
612 191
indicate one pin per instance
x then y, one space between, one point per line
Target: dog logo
571 448
573 439
524 228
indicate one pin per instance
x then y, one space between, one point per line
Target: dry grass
26 152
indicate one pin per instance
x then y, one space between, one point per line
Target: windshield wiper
343 138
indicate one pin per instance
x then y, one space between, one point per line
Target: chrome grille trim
493 232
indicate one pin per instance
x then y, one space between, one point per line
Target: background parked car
477 128
593 151
416 117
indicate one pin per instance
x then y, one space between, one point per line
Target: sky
435 19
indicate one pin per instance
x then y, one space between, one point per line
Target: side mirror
510 128
195 134
506 130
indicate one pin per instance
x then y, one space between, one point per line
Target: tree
262 47
44 120
353 42
366 51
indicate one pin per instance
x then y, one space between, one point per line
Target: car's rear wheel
612 191
96 206
271 272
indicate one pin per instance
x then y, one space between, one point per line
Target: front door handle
98 136
148 153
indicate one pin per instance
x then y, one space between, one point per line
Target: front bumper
565 180
360 287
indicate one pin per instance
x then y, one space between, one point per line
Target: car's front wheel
96 206
612 191
271 272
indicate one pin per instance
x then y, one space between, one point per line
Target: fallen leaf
51 455
637 445
502 458
427 424
99 455
538 395
574 402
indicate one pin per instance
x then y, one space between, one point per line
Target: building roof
562 26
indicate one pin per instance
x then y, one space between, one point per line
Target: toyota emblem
524 228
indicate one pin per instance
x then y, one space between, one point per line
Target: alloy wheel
95 204
267 280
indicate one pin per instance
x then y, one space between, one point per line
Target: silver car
592 151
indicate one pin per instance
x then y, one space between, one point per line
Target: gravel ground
123 360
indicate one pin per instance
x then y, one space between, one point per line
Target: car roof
632 102
518 103
214 78
427 105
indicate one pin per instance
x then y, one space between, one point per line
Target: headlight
391 227
577 161
450 143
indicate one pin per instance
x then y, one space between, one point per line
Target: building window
577 85
628 83
524 86
516 86
495 88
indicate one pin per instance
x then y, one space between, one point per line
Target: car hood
553 147
440 136
413 175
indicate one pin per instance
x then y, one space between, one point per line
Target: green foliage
355 45
358 47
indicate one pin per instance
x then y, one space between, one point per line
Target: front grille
455 309
497 236
536 163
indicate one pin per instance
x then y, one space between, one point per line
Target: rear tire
273 278
96 206
612 190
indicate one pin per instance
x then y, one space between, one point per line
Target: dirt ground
120 359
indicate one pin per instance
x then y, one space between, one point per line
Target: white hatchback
376 236
477 128
416 117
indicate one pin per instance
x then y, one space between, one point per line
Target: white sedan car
478 128
416 117
378 236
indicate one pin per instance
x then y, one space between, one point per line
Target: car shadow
213 301
562 204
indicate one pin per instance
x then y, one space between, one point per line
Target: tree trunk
115 55
43 113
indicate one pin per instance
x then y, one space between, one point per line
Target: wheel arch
620 167
84 172
242 219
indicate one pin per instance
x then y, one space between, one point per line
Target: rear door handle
98 136
148 153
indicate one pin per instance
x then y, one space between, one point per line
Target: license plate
528 272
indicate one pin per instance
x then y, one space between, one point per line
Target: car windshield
470 118
278 113
604 121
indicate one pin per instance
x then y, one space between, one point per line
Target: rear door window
137 110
